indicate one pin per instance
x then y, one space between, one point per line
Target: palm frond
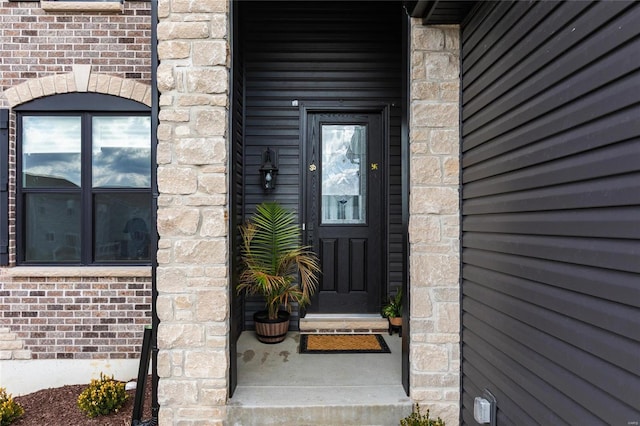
272 256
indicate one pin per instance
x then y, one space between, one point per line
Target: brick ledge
77 271
81 6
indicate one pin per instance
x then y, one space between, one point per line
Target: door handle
310 236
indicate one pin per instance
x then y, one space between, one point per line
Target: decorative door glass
344 173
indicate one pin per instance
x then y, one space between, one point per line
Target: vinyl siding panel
551 211
328 54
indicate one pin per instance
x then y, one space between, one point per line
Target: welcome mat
342 344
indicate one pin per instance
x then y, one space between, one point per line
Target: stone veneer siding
434 219
193 265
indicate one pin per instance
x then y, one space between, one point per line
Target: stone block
5 355
169 30
172 336
177 392
424 229
178 221
436 270
165 132
214 222
212 305
177 180
164 307
174 49
425 169
166 78
218 25
444 141
434 200
442 66
11 345
205 364
212 183
427 38
207 80
451 168
210 52
432 114
200 252
7 335
211 122
421 305
451 38
424 90
427 358
195 151
199 6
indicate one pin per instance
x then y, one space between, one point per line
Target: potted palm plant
276 266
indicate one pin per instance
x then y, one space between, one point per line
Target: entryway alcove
309 79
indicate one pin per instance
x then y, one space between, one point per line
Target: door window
344 174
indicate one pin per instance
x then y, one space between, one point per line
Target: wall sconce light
269 169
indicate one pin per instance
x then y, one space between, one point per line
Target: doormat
343 344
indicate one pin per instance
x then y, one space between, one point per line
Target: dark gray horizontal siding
321 54
551 211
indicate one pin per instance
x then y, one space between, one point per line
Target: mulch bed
58 406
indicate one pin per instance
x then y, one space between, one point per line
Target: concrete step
340 323
318 405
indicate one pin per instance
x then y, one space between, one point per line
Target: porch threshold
343 323
279 386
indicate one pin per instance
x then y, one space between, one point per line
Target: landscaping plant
272 256
10 410
418 419
103 396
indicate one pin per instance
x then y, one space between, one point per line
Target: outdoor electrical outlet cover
481 410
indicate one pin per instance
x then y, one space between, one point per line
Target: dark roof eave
434 12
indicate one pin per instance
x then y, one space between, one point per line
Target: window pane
51 151
121 152
52 227
344 178
122 227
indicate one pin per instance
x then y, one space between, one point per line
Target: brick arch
79 80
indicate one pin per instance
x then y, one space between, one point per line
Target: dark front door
344 209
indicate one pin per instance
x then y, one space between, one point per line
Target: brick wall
37 43
62 317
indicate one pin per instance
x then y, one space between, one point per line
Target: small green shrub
102 397
10 410
418 419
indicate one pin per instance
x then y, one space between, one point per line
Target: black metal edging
460 201
155 321
405 162
4 187
150 340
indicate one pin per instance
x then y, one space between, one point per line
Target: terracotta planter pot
271 331
396 322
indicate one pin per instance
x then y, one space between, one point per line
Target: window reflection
51 151
52 231
122 227
121 152
344 179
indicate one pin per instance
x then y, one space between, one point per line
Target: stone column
434 219
192 278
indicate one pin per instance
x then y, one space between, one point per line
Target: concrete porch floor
278 385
